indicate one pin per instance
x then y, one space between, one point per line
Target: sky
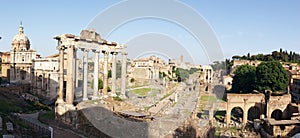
241 27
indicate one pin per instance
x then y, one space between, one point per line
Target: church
17 63
23 66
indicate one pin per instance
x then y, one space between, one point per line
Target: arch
277 114
237 114
253 113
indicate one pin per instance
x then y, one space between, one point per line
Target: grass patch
141 92
117 98
12 103
208 98
46 116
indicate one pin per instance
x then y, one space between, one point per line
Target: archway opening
277 114
237 114
253 113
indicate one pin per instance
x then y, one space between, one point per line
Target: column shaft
123 75
70 71
85 74
114 73
61 74
105 73
96 75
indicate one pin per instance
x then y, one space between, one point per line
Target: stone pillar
61 75
43 77
70 79
245 116
123 75
85 74
48 92
75 69
105 73
228 113
113 74
96 75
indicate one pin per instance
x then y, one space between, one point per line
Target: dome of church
20 41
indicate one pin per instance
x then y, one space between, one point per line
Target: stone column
123 75
75 69
96 75
113 74
245 116
85 74
61 75
70 79
228 113
105 73
43 77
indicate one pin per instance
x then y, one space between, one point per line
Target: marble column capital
96 51
84 50
114 53
61 47
105 52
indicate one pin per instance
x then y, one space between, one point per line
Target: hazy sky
241 26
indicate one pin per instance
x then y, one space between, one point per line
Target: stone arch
253 113
237 114
277 114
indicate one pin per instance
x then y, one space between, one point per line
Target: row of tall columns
71 77
105 73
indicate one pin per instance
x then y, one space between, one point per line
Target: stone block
9 126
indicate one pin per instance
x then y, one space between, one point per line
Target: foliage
141 91
266 76
117 98
132 80
244 79
46 116
271 76
193 70
280 55
109 74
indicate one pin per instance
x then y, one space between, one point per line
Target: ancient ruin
87 41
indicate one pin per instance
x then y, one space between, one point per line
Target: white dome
20 42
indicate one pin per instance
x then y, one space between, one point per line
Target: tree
271 76
244 79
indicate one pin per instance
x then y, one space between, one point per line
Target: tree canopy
266 76
244 79
271 76
280 55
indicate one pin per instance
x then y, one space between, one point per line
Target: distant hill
283 56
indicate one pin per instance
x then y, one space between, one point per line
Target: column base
104 96
123 96
113 95
59 101
85 99
95 98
